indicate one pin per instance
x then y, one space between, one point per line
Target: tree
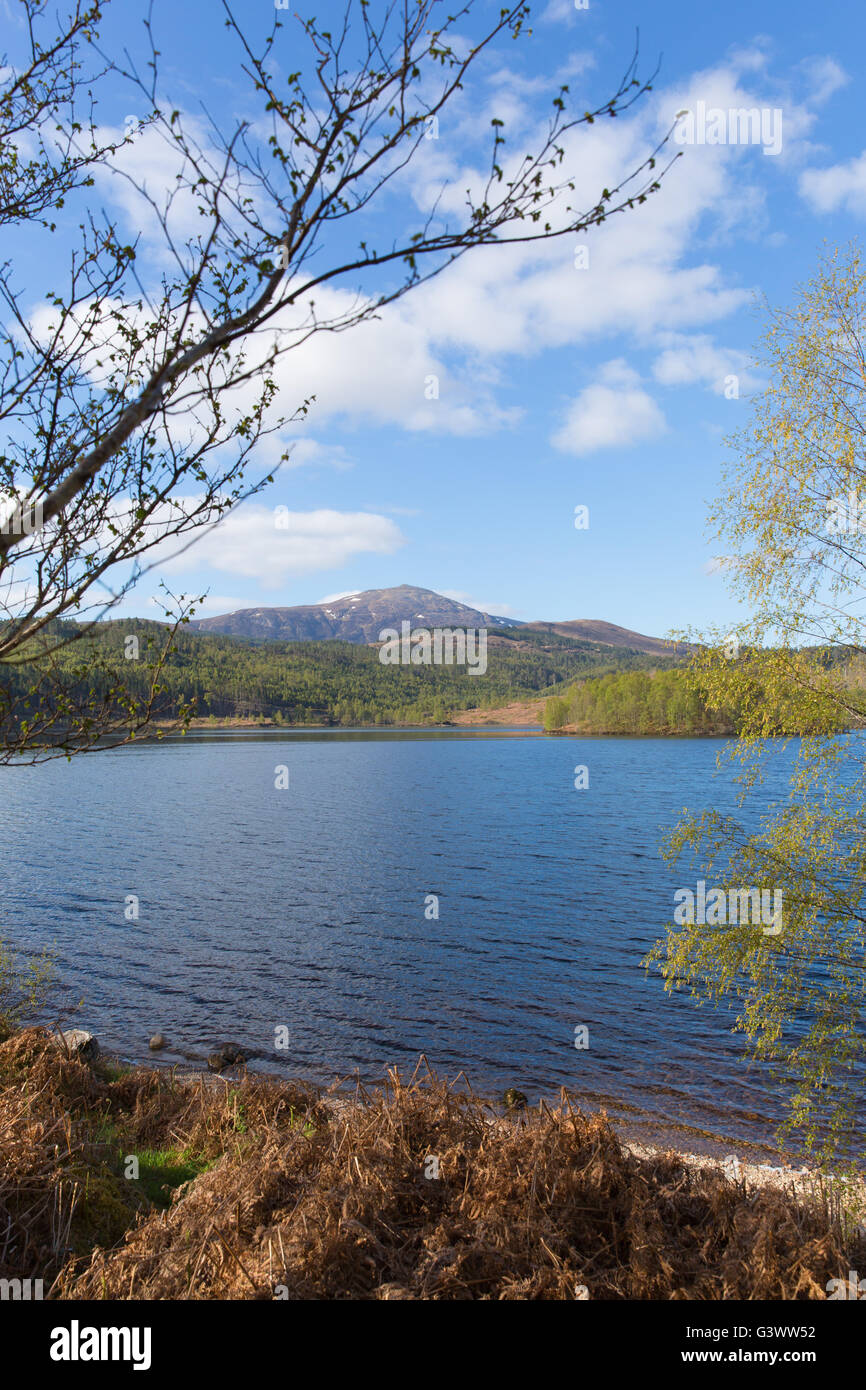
46 148
133 414
794 542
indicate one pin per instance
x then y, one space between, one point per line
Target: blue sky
558 385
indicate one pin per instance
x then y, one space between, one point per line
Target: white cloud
839 186
388 371
563 12
644 279
148 178
688 359
824 77
248 543
613 411
311 451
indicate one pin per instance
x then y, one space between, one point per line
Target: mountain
594 630
361 617
355 618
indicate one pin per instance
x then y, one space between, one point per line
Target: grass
162 1171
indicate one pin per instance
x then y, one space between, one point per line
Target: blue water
305 907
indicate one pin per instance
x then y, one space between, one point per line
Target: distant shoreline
480 720
523 712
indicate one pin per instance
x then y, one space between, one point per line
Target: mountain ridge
360 617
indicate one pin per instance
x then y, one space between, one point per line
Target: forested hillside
327 682
673 702
635 702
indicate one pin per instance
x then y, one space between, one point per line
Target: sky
608 380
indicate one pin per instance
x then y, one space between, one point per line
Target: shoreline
643 1134
413 1189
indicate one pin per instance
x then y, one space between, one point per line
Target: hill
594 630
